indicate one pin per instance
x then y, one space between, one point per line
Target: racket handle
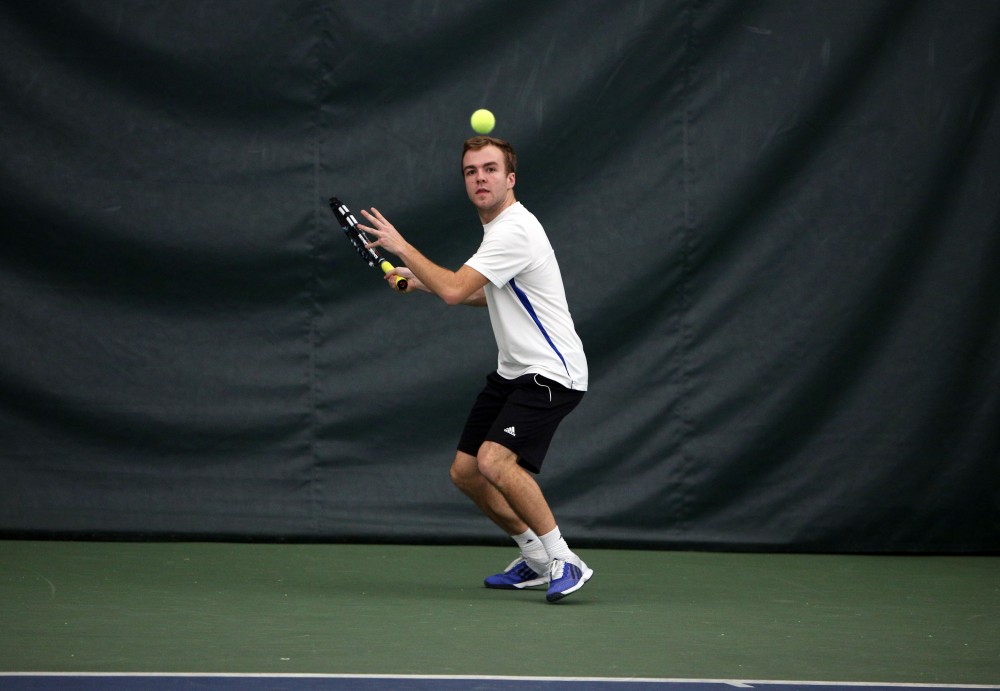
400 282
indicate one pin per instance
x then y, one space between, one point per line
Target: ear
511 180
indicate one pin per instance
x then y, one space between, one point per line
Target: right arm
476 299
462 287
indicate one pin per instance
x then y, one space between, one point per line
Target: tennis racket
359 239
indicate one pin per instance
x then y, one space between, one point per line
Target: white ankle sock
532 549
556 546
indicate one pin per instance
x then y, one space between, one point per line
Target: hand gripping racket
359 239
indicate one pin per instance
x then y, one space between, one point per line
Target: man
541 367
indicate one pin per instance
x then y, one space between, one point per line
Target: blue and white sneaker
566 577
516 576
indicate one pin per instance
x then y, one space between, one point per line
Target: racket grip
400 282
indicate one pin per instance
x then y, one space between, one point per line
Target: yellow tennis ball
483 121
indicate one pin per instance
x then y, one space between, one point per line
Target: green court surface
376 609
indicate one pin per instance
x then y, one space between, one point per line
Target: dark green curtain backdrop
778 222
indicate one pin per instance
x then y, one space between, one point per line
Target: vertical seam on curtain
683 500
316 304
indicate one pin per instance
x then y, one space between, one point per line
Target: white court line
741 683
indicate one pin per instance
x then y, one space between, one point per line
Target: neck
490 214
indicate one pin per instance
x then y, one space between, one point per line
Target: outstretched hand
387 237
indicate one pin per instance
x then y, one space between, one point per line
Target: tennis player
541 367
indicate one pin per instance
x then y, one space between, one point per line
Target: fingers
395 273
373 221
378 228
413 283
377 218
376 232
382 230
401 271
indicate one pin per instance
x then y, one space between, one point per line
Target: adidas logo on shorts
510 431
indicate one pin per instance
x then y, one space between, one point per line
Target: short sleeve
504 253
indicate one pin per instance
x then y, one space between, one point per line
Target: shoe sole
555 597
518 586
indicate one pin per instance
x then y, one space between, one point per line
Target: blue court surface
304 682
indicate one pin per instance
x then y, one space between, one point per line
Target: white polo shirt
527 301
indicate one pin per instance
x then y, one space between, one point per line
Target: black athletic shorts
521 414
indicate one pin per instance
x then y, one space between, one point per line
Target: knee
464 472
494 462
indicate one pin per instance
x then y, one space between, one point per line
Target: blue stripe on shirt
531 311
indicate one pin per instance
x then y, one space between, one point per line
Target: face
489 187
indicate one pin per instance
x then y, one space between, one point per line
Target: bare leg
503 490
